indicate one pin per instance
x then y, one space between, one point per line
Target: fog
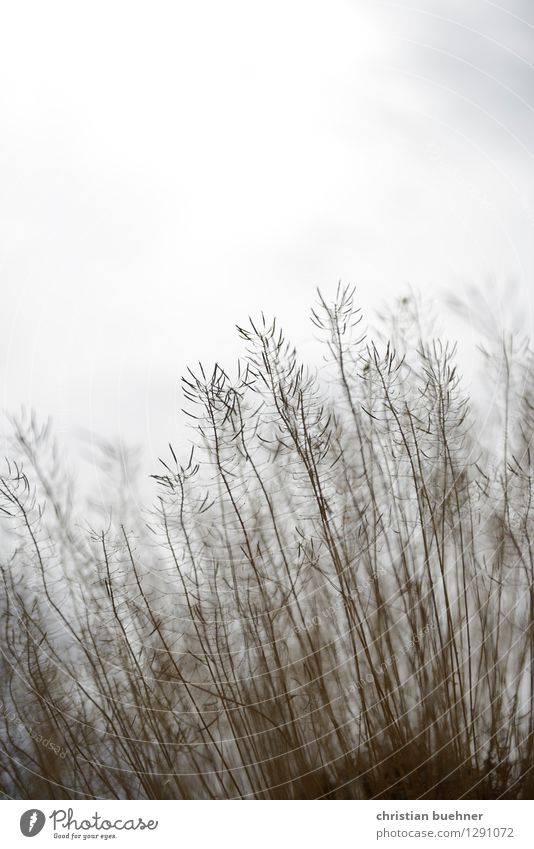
168 169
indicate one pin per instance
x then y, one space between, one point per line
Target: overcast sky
168 168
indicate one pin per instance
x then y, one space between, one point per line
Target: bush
332 596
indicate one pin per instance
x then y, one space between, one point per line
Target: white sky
167 168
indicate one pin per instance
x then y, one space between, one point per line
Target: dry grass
333 596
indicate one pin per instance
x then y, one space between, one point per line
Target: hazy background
168 168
